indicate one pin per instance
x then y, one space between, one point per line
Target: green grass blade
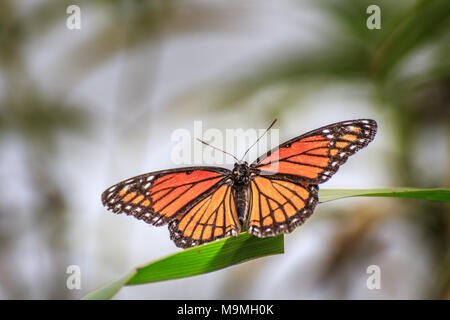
426 194
198 260
110 290
209 257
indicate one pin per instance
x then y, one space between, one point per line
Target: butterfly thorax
240 173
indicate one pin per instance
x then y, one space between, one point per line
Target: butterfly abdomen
241 194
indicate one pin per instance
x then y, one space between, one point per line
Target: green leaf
426 194
209 257
110 290
230 251
198 260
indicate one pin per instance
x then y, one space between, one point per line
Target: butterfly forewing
160 197
315 156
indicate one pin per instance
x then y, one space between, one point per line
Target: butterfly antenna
206 143
267 130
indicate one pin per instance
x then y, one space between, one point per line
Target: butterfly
273 195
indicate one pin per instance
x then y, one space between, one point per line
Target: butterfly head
241 172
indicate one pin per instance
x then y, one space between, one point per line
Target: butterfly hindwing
315 156
278 205
212 218
161 196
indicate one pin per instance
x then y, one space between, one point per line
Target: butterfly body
273 195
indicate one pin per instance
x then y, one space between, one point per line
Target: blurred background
83 109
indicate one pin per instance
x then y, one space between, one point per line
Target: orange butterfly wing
159 197
285 192
315 156
278 205
212 218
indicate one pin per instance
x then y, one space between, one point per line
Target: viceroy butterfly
273 195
